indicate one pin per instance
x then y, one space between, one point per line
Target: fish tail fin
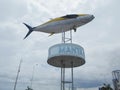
30 30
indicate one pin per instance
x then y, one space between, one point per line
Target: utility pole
32 75
17 74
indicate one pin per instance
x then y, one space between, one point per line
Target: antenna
17 74
32 75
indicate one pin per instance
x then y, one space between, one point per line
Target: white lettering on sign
70 50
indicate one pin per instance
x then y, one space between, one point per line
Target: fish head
85 18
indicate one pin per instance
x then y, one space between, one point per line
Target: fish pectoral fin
74 28
51 34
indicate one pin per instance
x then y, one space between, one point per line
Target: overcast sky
99 38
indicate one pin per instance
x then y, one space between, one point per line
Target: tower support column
63 80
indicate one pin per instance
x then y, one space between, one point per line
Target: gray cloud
12 9
100 39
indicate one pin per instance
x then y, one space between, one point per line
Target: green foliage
28 88
106 87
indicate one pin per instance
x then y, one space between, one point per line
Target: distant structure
116 79
19 67
31 81
105 87
66 55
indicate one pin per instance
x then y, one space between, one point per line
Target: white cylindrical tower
66 55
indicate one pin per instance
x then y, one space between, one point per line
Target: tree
106 87
28 88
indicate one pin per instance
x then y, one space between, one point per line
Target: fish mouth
88 19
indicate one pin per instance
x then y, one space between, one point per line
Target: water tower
66 55
116 79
